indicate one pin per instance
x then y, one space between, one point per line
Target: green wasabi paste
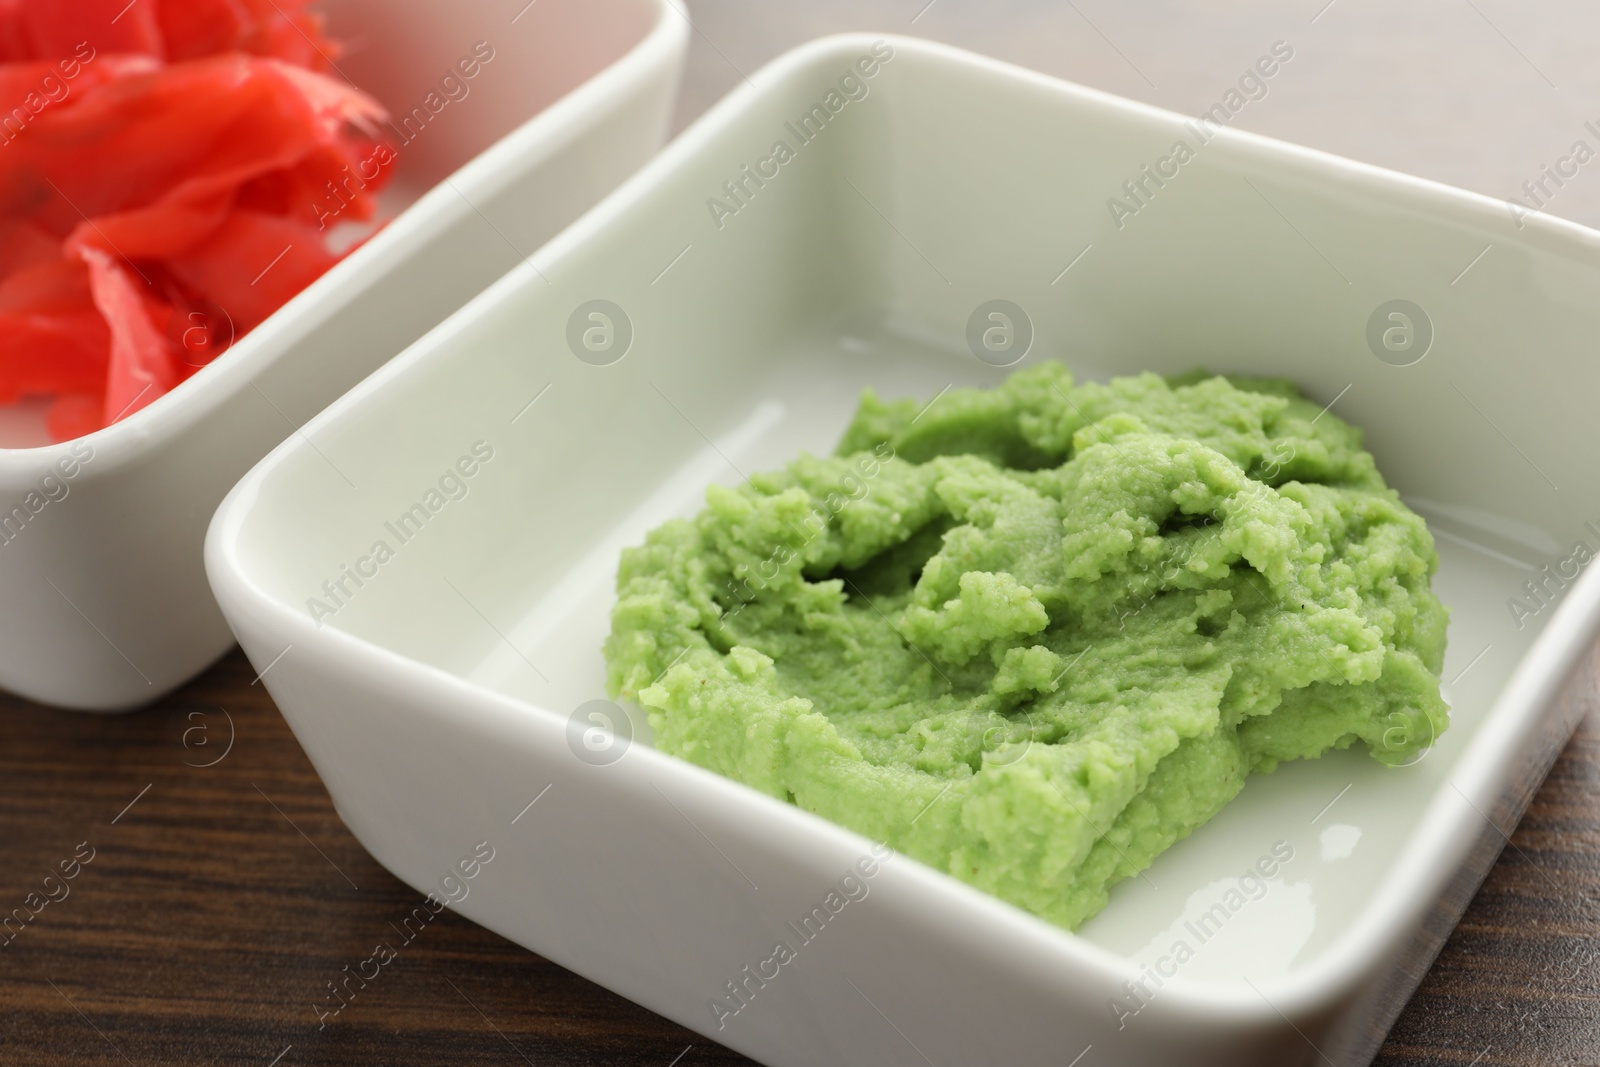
1034 635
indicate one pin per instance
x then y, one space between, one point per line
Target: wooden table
224 895
222 899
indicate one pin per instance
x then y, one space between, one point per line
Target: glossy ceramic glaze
443 695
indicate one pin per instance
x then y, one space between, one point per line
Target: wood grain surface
222 900
224 895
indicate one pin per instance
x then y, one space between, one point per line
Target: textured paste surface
1036 634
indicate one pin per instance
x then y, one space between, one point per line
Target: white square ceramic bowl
436 700
106 600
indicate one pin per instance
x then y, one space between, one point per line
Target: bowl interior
937 184
406 53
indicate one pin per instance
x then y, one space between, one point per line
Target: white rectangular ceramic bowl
106 600
435 699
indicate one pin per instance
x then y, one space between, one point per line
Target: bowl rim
1445 830
569 116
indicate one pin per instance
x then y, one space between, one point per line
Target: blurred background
1476 93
